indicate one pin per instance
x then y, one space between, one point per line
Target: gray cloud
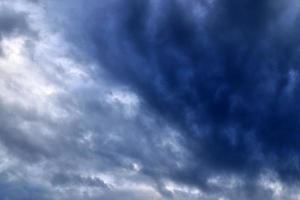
150 100
12 23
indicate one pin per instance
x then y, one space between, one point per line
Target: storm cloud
150 99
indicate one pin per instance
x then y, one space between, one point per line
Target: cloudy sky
149 100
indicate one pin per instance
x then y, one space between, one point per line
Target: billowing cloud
149 99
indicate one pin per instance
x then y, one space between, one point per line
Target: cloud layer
149 99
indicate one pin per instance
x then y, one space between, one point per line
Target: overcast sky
149 100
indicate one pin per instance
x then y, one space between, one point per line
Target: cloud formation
149 99
12 23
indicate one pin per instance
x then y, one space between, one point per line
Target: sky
149 100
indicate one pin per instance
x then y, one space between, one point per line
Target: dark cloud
73 179
20 190
226 75
14 138
188 97
12 23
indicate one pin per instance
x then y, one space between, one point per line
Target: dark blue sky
149 99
